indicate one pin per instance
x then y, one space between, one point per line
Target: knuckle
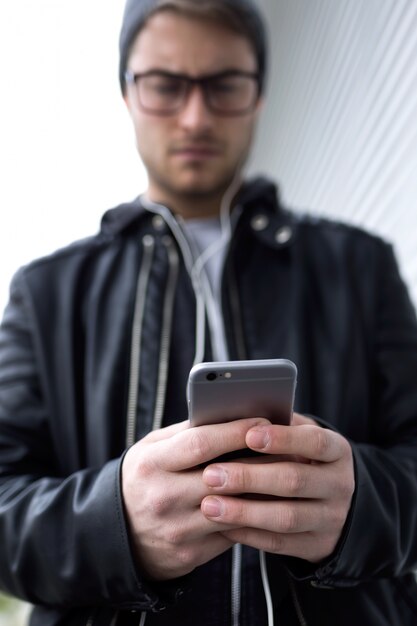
347 488
160 505
336 517
185 556
240 478
296 481
276 543
236 511
145 467
321 442
197 444
286 438
346 448
176 536
287 519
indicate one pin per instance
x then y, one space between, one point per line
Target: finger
173 506
165 433
302 545
286 516
200 444
312 442
281 479
194 527
170 492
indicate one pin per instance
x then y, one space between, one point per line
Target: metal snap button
283 234
259 222
147 241
158 222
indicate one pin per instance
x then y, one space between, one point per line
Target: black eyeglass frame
132 78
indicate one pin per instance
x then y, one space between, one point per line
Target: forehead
182 43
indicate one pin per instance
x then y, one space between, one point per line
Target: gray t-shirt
203 233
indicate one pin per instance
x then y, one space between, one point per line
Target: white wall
340 127
66 148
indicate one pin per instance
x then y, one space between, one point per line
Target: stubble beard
197 191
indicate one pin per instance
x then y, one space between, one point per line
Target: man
103 521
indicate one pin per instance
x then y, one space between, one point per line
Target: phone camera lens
211 376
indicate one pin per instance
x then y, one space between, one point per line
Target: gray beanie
137 12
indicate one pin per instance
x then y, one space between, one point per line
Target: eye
164 85
225 86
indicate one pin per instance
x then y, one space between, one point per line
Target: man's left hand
297 497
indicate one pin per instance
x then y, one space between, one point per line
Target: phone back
224 391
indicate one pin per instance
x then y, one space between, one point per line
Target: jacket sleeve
380 535
63 539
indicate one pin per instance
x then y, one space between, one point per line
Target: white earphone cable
267 590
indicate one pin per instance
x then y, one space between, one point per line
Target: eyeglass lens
164 93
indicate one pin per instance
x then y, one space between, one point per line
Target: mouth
196 151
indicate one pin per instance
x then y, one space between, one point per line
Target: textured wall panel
339 129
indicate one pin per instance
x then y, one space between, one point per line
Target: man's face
193 152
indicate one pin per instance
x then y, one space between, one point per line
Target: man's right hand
163 489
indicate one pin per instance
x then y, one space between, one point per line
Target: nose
195 114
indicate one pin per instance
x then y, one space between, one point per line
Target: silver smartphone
225 391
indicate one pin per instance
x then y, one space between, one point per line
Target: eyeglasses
164 93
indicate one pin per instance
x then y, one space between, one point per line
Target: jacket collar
258 200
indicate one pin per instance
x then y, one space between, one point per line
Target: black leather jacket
95 348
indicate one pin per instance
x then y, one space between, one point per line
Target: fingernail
257 438
212 507
215 476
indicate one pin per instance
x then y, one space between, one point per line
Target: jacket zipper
142 285
165 344
187 256
236 582
141 288
166 331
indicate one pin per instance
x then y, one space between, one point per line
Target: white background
67 151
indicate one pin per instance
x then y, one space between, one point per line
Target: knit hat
137 12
